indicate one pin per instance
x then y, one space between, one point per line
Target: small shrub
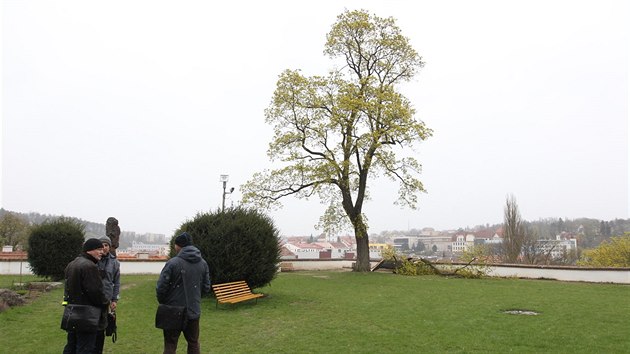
54 244
406 266
238 244
612 253
413 267
472 273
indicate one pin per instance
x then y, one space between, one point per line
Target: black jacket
84 285
170 287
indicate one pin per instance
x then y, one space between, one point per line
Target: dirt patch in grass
10 298
521 312
128 286
25 293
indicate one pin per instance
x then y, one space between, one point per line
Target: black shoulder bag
79 317
111 330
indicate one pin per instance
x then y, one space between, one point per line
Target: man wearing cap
182 281
85 287
109 268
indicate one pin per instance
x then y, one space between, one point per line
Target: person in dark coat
85 287
178 288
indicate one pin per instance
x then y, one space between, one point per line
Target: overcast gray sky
134 109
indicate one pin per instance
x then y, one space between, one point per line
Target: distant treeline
589 232
92 229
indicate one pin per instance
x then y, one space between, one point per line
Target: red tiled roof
134 256
285 252
339 245
296 238
13 256
485 233
306 245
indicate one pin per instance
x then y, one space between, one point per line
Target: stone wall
596 275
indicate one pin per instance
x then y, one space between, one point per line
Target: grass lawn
345 312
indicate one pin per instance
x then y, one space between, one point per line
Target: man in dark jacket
182 281
85 287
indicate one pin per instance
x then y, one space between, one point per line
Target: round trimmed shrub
238 244
54 244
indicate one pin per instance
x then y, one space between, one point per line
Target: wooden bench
234 292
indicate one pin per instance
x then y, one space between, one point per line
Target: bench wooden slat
241 298
233 292
232 298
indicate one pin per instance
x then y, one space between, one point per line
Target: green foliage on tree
14 230
238 244
604 228
333 133
419 247
613 253
54 244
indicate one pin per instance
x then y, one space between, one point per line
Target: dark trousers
191 333
100 342
80 343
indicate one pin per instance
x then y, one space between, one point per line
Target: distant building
441 243
403 243
558 248
334 250
462 242
304 250
154 238
465 241
376 250
137 247
318 250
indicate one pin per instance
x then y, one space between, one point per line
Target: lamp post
224 179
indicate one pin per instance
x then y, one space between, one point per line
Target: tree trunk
363 248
